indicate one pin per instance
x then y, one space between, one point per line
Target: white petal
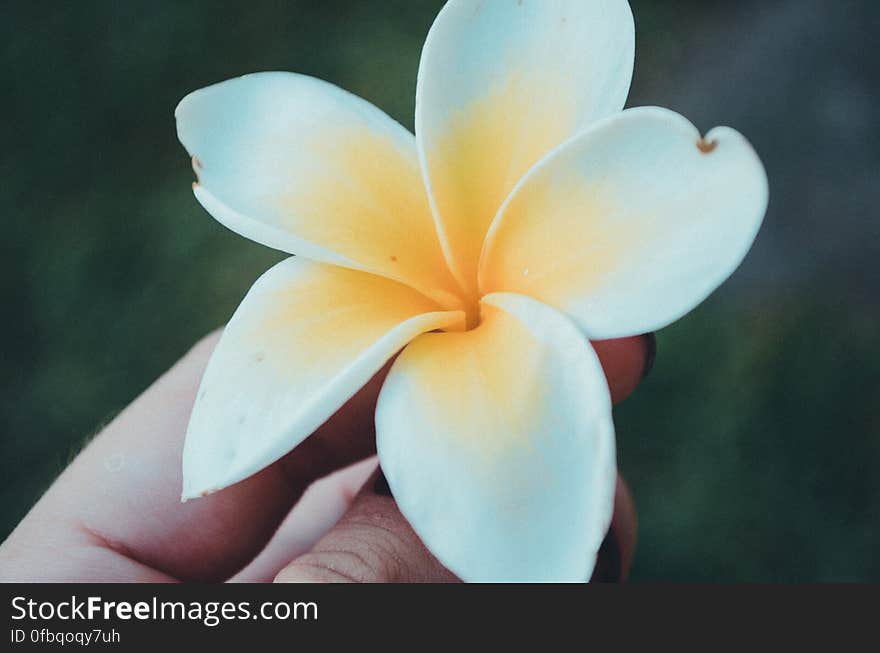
498 445
306 337
629 226
500 84
302 166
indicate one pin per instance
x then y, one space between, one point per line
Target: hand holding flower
115 514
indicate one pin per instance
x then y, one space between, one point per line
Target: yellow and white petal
302 166
306 337
500 84
498 444
629 226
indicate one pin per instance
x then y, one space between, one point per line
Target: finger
618 549
626 361
625 525
321 506
372 543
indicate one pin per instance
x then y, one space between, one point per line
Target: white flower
528 214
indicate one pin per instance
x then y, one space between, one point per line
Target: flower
529 214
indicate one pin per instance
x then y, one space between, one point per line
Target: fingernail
380 487
608 568
650 353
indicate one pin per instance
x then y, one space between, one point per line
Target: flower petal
306 337
303 166
500 84
498 445
629 226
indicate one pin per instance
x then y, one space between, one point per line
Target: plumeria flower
528 215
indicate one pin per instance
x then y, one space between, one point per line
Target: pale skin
114 515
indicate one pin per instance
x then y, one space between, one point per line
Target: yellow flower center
472 313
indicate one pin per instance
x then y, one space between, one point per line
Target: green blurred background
753 447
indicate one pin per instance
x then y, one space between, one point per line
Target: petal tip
707 145
189 493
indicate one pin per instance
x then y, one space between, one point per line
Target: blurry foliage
751 449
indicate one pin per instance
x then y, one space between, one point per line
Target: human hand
114 514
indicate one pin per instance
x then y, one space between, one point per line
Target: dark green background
754 446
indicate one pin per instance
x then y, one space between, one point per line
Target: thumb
372 543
